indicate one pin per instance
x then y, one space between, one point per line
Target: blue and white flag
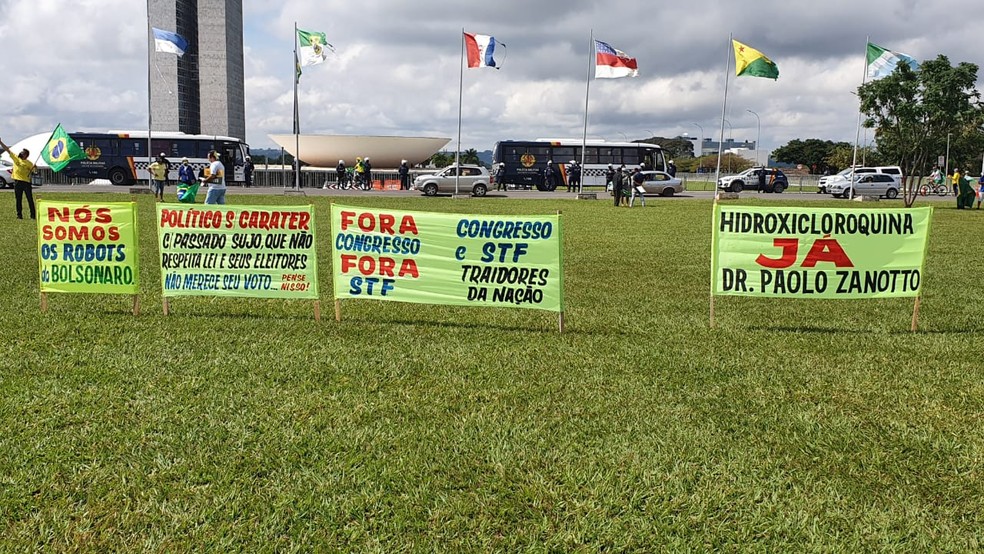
882 62
166 41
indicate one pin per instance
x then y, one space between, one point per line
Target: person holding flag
22 179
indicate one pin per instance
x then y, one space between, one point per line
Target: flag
61 149
882 62
313 46
749 61
166 41
480 49
612 64
297 69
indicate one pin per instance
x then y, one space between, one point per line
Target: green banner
88 248
443 258
255 251
818 252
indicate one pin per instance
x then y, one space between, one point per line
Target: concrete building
203 91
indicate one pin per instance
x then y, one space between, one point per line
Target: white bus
525 160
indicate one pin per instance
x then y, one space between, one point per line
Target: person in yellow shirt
955 180
158 173
22 178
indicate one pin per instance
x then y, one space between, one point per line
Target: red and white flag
612 64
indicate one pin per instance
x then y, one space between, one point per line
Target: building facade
203 91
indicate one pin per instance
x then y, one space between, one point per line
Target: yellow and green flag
61 150
749 61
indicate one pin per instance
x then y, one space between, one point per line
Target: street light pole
700 146
623 136
758 139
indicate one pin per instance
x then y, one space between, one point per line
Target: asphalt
511 194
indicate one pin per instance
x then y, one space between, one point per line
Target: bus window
563 153
630 157
609 156
592 155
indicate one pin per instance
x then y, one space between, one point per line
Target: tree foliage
673 147
812 153
913 112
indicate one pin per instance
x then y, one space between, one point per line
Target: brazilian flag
61 150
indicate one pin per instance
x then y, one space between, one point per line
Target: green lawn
243 425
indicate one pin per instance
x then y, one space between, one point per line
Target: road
512 194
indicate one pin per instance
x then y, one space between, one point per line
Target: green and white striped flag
313 47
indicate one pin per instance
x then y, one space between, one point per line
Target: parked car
867 184
474 179
659 183
6 174
775 180
823 187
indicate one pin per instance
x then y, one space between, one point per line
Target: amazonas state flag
61 150
749 61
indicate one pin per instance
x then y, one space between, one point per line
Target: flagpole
297 120
584 134
857 136
717 172
150 114
724 113
461 88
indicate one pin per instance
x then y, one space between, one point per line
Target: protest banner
249 251
443 258
88 248
787 252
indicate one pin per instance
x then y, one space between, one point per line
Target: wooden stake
560 321
167 306
712 308
44 302
915 315
317 310
338 310
136 305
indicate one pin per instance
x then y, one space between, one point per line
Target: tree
673 148
441 159
913 112
812 153
470 156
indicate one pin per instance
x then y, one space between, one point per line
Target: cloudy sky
395 72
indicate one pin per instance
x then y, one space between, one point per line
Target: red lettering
409 267
367 222
348 262
789 249
54 213
304 220
827 250
103 215
386 222
386 266
408 224
367 265
347 219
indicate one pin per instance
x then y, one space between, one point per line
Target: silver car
867 184
473 179
6 174
660 183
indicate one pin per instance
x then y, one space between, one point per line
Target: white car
823 186
868 184
659 183
6 174
473 179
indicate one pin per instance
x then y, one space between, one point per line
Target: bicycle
939 189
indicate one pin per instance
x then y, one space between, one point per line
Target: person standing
637 180
616 185
158 176
966 197
574 177
955 180
368 166
548 176
167 168
360 173
761 179
404 172
610 177
248 170
22 179
980 190
671 168
500 176
215 180
187 184
341 176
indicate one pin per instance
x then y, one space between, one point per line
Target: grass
243 425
